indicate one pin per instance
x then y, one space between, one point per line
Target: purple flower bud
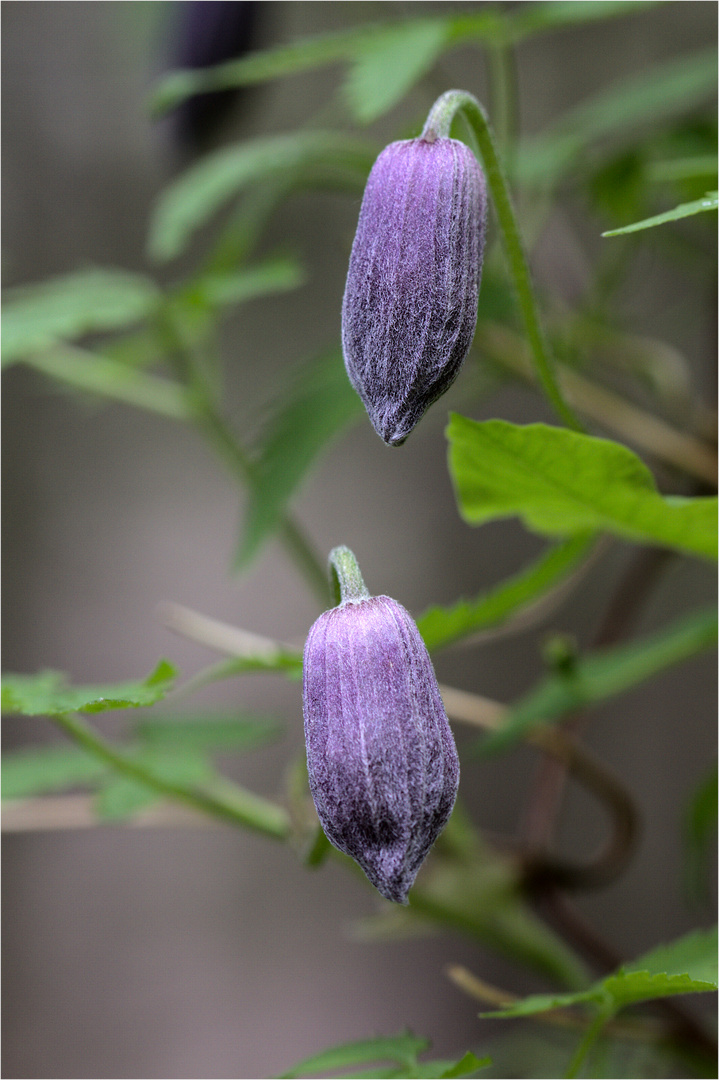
410 304
383 767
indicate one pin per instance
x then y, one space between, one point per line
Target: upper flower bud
383 767
410 304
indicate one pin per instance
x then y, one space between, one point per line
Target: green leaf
709 202
48 694
648 98
37 316
275 275
390 63
559 14
204 188
440 626
604 674
316 405
700 826
402 1048
209 733
466 1066
686 966
93 373
27 773
122 796
561 483
282 60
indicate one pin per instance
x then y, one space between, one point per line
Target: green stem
228 802
346 582
437 126
221 437
590 1037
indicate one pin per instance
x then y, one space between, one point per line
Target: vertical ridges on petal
381 759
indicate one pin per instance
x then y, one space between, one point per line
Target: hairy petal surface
381 758
410 303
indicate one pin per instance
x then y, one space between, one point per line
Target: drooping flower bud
410 303
383 767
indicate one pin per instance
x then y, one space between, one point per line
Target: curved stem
347 584
437 126
230 803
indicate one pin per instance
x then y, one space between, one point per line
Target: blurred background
208 952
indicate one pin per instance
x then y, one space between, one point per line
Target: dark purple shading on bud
382 763
410 304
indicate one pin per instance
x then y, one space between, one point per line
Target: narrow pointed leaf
699 206
604 674
561 483
317 404
68 307
203 189
390 63
441 626
45 769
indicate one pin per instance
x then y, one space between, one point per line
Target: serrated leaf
204 188
699 206
657 93
34 317
402 1048
317 404
93 373
603 674
44 769
121 796
388 65
209 733
47 694
688 965
561 483
440 626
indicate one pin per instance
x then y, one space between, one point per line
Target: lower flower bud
382 763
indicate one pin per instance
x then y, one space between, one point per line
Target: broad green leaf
648 98
604 674
34 317
93 373
209 733
440 626
317 404
27 773
204 188
402 1048
700 827
686 966
561 483
278 274
48 694
709 202
388 65
121 796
